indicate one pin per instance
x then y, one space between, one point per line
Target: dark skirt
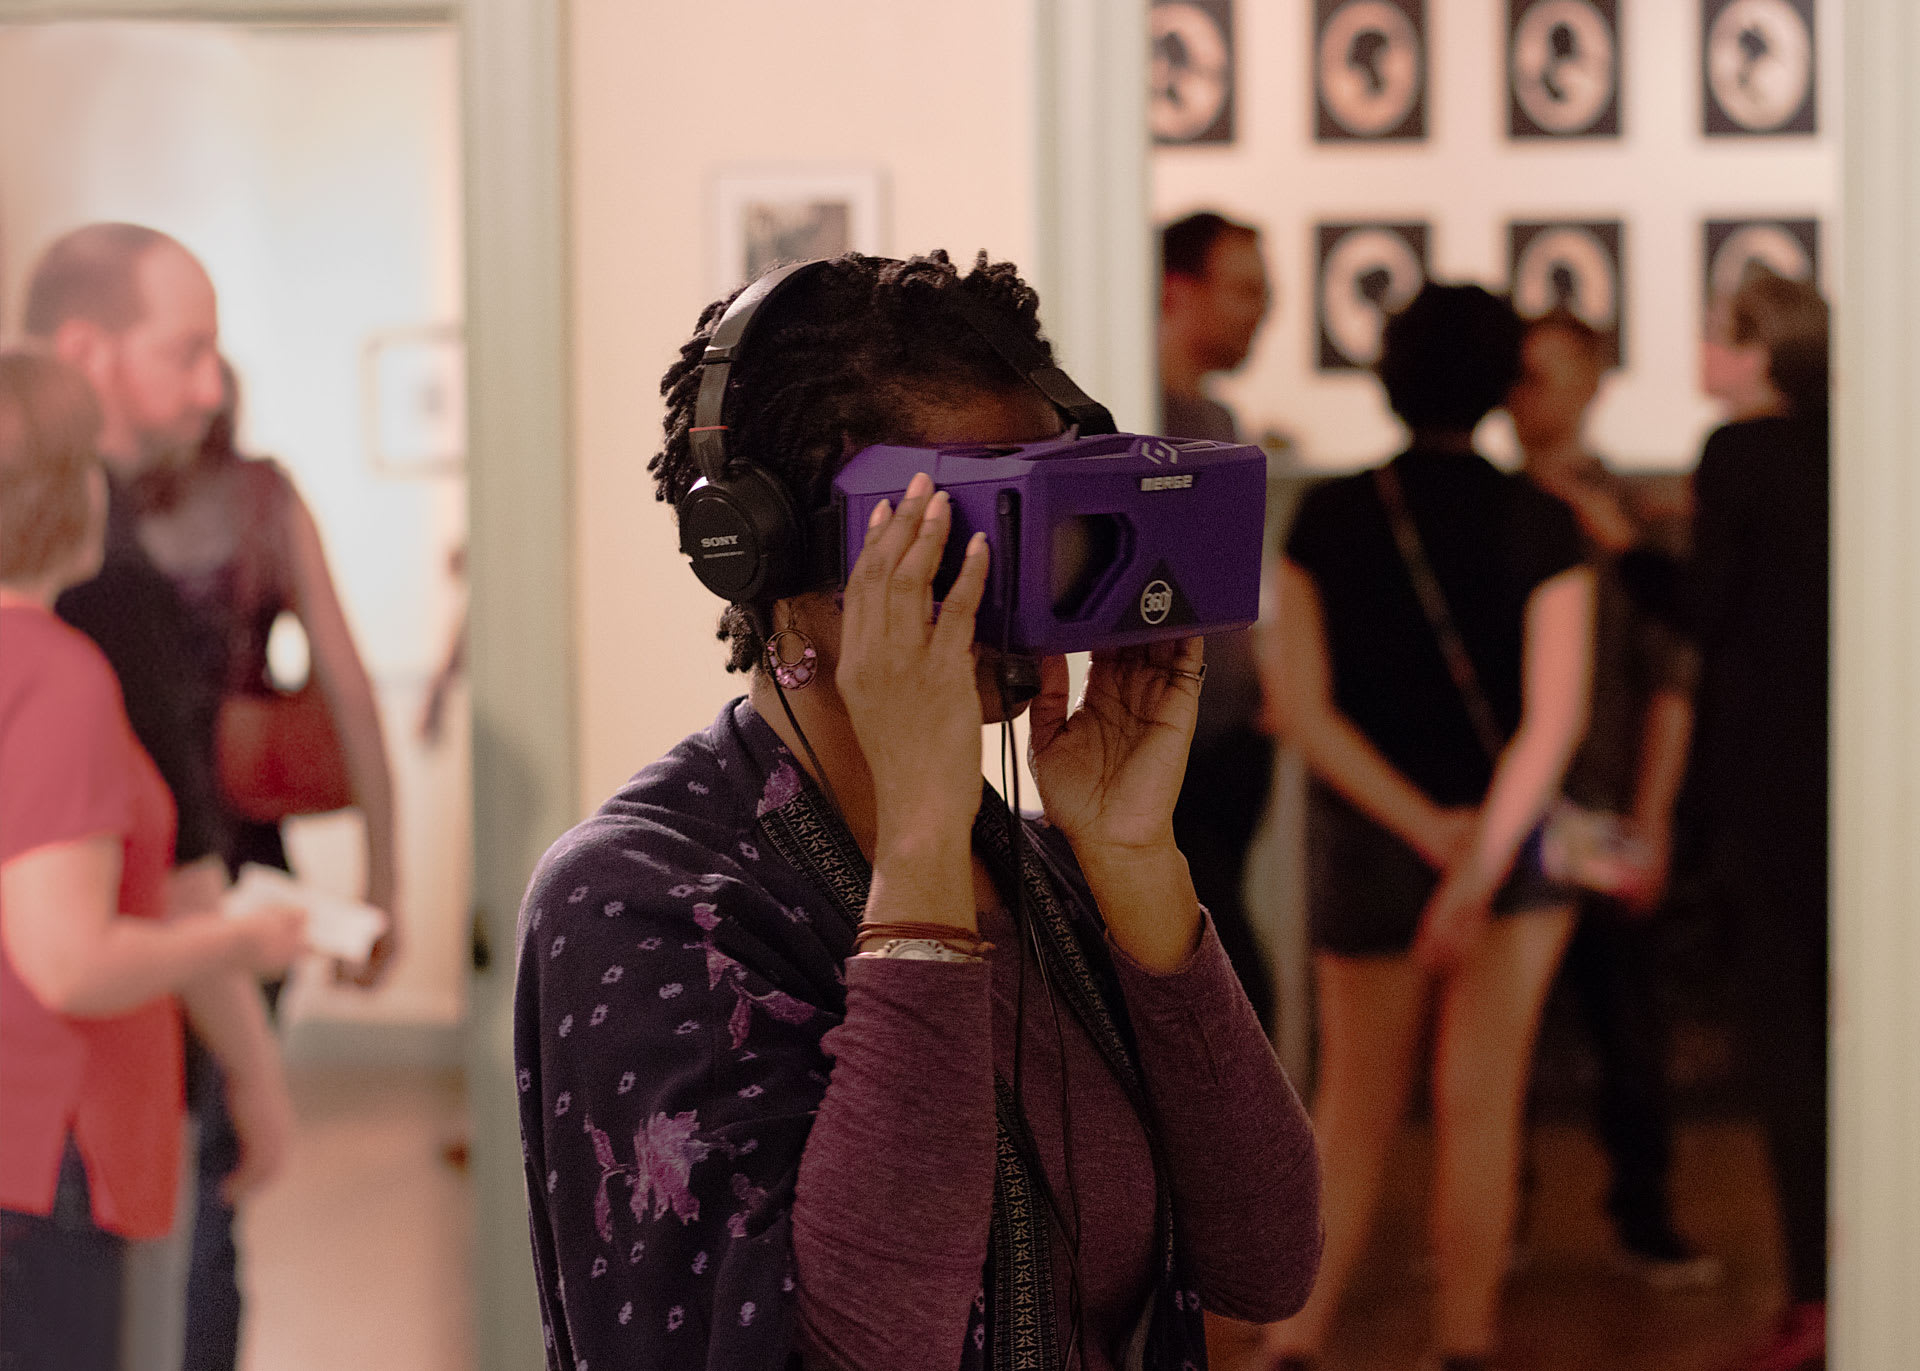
1366 888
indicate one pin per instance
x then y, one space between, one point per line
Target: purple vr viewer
1098 542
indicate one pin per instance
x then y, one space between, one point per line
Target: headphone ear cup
741 535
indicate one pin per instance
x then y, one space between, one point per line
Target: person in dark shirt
134 312
1756 599
1630 764
1214 296
1414 826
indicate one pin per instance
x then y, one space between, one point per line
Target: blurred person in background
1756 599
1630 764
240 546
1214 295
1417 816
100 946
135 313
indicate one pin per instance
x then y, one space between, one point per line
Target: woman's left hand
1110 771
1109 774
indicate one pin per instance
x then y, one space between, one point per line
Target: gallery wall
672 108
1467 180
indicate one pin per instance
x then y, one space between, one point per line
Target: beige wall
936 95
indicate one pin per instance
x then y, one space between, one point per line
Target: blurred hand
263 1122
1110 770
272 939
908 683
1446 835
1455 917
379 962
1650 891
196 888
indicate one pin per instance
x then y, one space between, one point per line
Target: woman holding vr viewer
823 1059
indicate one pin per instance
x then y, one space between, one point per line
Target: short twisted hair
853 354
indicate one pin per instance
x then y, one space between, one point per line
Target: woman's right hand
908 680
1446 835
271 939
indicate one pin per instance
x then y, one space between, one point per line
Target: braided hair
854 354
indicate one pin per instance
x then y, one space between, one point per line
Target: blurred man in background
134 312
1214 295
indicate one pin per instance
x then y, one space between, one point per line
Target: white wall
938 96
1662 177
316 174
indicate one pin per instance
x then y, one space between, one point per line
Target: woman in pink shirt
93 972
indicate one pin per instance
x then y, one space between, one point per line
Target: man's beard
166 461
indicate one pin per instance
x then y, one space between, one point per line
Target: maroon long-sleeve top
890 1217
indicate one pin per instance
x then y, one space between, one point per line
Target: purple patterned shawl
680 961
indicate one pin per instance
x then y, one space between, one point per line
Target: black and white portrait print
1572 265
1758 59
1563 69
1364 273
1786 247
1370 69
1192 74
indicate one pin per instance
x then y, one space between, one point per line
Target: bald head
92 273
135 313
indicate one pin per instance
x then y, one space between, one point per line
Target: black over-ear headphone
738 524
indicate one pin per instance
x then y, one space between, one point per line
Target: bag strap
1433 602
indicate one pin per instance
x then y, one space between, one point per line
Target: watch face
1190 99
1574 266
1563 69
1759 60
1370 69
1786 247
1365 272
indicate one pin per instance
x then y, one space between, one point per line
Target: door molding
1876 698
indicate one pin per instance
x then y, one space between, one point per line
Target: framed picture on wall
1369 70
1191 96
414 388
790 214
1572 265
1757 59
1563 68
1362 273
1786 247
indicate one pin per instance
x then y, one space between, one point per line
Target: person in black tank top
1414 829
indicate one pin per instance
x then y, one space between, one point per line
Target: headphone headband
739 527
709 432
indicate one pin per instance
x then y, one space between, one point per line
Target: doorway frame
521 662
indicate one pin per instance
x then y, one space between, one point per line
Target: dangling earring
791 658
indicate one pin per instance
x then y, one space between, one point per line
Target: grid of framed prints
1190 99
1370 74
1564 70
